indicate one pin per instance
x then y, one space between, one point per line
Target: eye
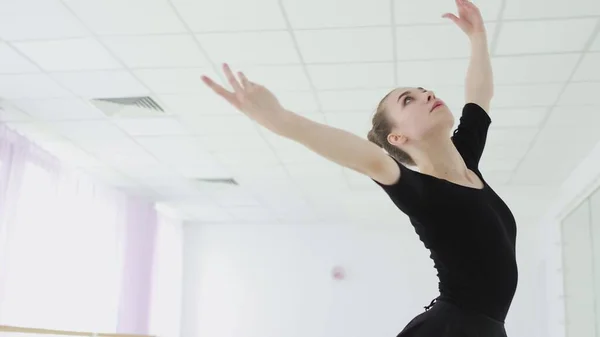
407 99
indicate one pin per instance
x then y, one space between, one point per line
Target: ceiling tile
415 12
110 176
59 109
508 150
157 51
351 76
453 96
203 213
89 132
534 9
120 153
159 174
351 100
428 74
251 213
169 81
578 94
299 154
271 178
489 163
503 137
13 63
533 69
116 17
70 154
337 13
551 145
277 77
236 160
235 197
37 19
544 36
525 95
346 45
358 123
321 171
72 54
250 48
102 84
519 117
166 126
9 113
202 103
569 117
433 42
36 132
225 126
186 155
300 102
226 143
596 44
589 68
231 15
30 86
497 177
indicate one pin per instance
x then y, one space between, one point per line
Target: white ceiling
330 60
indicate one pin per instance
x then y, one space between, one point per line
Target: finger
245 83
232 80
452 17
226 94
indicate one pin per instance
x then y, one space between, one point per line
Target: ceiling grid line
126 68
499 20
218 70
394 40
416 25
58 136
290 30
402 61
595 33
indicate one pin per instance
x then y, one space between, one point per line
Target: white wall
274 280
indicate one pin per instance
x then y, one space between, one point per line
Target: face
416 115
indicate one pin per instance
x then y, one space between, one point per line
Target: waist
472 314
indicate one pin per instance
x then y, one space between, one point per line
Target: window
64 269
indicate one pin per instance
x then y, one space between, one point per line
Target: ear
396 139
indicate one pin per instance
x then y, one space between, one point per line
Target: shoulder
474 110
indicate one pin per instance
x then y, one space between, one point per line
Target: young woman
468 229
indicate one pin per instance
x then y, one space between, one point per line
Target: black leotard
470 232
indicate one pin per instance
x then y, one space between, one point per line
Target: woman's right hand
254 100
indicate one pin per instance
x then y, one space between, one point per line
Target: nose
430 96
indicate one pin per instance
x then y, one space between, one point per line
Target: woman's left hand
469 18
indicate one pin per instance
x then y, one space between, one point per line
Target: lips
437 104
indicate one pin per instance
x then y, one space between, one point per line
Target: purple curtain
136 289
137 222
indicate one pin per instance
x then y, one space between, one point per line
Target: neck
441 159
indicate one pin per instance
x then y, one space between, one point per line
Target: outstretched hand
469 18
254 100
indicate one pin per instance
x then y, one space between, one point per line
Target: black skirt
444 319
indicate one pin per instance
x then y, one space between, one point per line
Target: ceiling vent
224 181
215 184
143 106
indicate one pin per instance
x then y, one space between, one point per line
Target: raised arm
337 145
479 83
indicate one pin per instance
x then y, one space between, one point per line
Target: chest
469 214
